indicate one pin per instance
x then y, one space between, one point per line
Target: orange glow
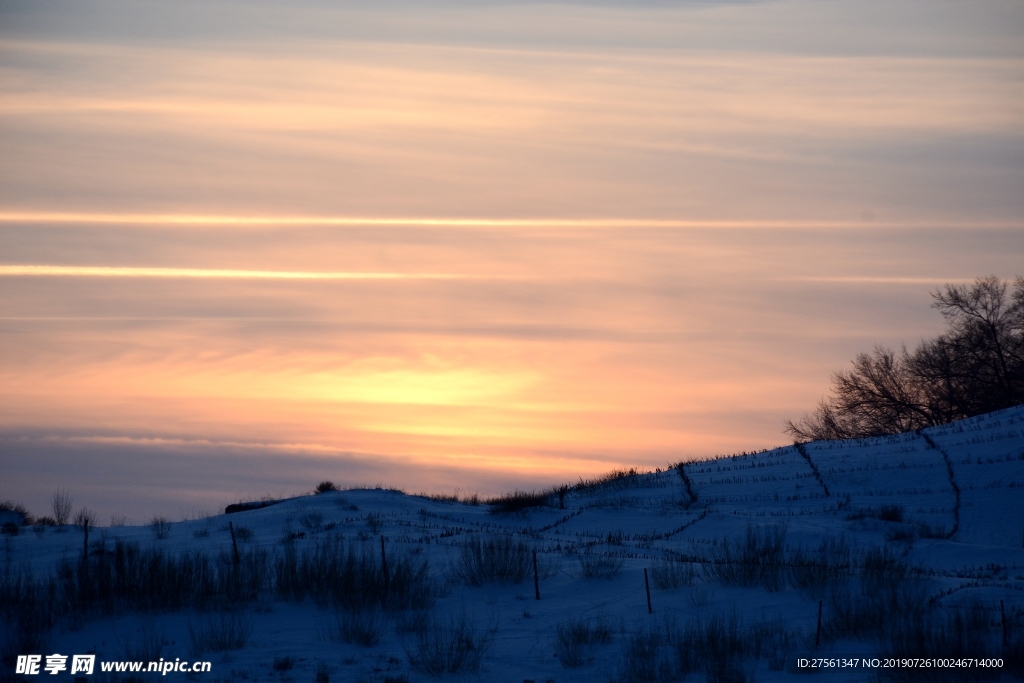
527 238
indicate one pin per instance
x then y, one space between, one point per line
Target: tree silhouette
976 367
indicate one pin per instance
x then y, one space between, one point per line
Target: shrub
770 640
85 516
28 608
597 566
501 560
358 626
61 505
715 646
127 578
872 615
361 627
645 660
449 646
956 632
21 514
9 529
243 534
615 480
471 499
161 527
881 569
325 486
375 521
518 501
760 559
575 638
443 497
668 574
219 632
283 663
350 576
891 513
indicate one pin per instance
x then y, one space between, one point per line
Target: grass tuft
816 571
759 559
363 627
161 527
219 632
593 565
669 574
575 640
352 576
646 659
493 560
451 645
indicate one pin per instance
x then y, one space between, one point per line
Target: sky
246 247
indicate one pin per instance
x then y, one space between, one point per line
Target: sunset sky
245 247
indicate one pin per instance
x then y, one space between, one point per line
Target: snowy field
911 546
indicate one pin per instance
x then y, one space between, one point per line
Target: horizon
473 246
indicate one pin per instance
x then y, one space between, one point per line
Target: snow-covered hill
912 531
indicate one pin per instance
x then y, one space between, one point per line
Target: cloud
477 242
30 270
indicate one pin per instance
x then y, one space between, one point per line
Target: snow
641 519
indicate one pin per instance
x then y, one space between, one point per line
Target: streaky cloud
204 273
227 220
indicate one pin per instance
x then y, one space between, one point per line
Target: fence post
647 586
234 544
536 577
817 638
384 566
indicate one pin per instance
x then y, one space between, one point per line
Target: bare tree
977 366
986 342
61 502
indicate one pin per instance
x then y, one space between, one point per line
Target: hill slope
885 535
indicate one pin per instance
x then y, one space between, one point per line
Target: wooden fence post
384 567
647 586
536 578
234 544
